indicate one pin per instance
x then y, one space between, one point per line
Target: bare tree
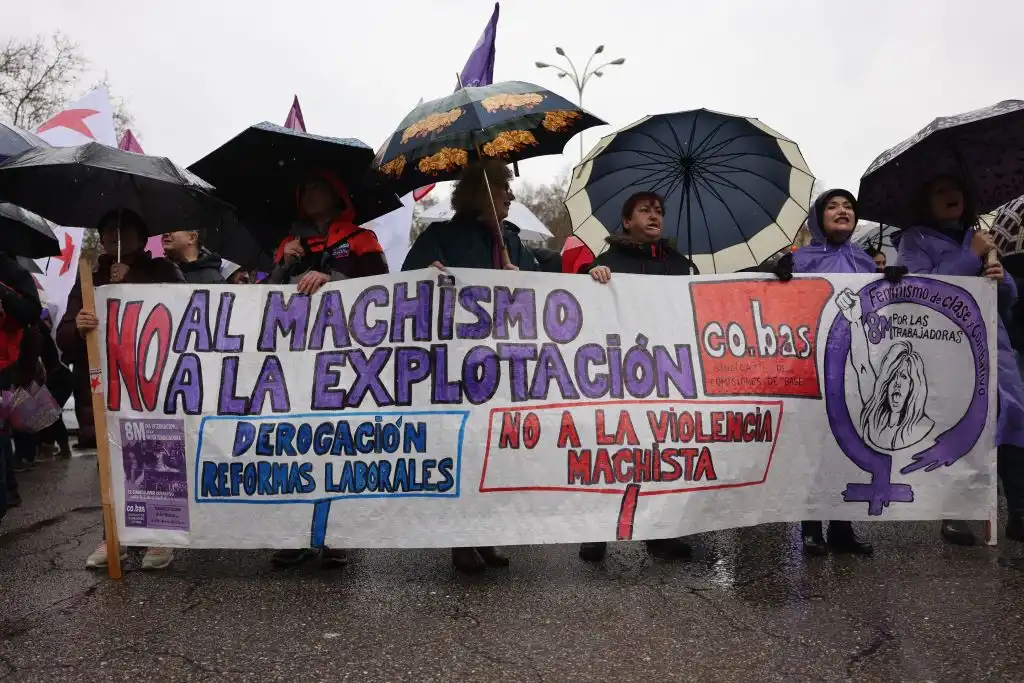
91 245
547 202
418 224
36 78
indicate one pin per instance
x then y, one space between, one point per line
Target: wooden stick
99 413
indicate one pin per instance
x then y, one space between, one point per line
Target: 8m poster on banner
493 408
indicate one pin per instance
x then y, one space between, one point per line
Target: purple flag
295 120
479 68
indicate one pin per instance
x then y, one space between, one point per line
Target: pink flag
295 120
129 143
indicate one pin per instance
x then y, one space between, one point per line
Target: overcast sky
845 79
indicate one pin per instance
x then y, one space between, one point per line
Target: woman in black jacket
640 250
470 240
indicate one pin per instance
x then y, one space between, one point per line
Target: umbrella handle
497 230
992 257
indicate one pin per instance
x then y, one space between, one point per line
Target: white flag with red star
91 119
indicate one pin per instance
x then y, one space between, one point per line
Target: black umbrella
985 148
512 121
235 241
23 233
14 141
257 171
29 265
78 185
736 192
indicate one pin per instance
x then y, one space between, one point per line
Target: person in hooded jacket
122 232
199 265
640 250
946 242
468 239
325 244
831 223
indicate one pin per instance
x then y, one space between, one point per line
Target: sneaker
98 558
157 558
64 451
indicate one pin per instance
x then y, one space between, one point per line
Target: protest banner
499 408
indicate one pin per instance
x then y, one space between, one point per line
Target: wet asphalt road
748 607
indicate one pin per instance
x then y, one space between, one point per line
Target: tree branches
36 78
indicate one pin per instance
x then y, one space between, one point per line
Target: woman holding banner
947 243
123 235
481 199
640 249
830 223
324 245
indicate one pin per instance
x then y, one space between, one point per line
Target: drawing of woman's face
899 387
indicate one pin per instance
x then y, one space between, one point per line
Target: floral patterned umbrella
511 120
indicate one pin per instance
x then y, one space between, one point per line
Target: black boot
843 539
814 539
669 548
958 532
288 558
468 561
593 552
333 557
1015 527
493 557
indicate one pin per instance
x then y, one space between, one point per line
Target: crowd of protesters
326 245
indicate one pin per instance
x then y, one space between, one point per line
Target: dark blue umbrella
736 192
14 141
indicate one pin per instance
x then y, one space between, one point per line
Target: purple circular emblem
958 307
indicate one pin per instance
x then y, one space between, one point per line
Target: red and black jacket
345 249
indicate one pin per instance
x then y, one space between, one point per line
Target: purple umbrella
984 148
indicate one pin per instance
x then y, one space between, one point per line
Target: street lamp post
574 76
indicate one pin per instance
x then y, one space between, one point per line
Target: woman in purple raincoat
946 243
831 222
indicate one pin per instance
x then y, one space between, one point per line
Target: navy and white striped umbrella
736 191
14 141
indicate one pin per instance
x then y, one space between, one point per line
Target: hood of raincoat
823 256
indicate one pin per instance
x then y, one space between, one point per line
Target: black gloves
784 268
894 274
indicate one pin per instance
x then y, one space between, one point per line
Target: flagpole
490 196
